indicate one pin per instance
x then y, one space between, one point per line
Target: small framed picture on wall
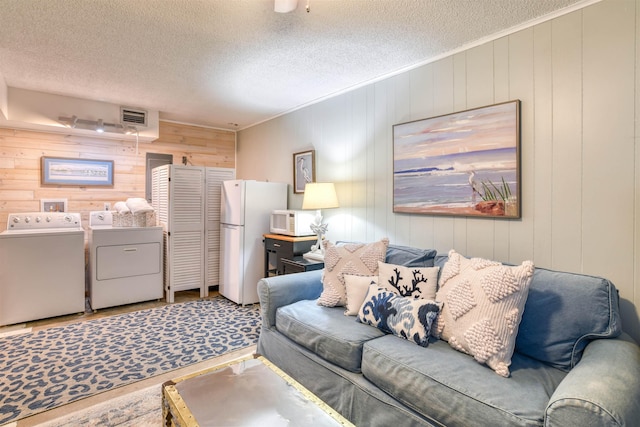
53 205
304 169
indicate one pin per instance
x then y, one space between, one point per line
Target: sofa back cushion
564 311
410 257
407 255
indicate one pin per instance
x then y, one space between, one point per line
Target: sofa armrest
278 291
602 389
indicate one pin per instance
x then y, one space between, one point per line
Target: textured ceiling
225 62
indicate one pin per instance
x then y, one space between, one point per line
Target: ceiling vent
132 116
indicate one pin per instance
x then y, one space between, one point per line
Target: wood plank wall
21 151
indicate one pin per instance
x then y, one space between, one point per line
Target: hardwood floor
35 325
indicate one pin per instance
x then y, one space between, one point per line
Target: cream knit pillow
357 288
358 259
483 304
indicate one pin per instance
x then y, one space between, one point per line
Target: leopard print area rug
52 367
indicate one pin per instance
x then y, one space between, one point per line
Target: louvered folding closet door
160 203
213 183
160 194
185 241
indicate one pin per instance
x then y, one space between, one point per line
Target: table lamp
319 195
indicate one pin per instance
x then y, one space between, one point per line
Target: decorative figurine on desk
319 228
319 195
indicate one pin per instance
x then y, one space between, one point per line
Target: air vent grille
133 117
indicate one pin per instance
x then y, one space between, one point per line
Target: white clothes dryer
125 263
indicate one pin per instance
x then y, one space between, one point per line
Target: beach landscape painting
463 164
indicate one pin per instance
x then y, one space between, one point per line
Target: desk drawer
280 246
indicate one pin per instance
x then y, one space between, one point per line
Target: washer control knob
38 219
48 219
27 220
16 219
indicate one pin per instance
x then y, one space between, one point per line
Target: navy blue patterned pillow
405 317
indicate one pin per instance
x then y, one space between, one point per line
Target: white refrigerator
246 207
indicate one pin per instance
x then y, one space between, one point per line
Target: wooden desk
277 247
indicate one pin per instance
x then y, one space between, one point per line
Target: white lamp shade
319 195
285 6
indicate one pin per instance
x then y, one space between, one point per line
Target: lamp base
314 256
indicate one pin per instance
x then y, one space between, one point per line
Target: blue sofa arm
603 389
278 291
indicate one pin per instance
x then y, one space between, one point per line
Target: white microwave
292 223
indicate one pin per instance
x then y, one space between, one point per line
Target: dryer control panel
100 218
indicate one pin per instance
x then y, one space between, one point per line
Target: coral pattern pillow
405 317
358 259
357 288
414 282
483 304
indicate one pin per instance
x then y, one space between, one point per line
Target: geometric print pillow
357 259
415 282
405 317
483 304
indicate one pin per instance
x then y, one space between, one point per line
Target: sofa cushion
407 255
326 331
415 282
406 317
357 288
483 304
360 259
453 389
410 257
564 311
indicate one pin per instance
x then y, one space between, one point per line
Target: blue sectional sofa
572 365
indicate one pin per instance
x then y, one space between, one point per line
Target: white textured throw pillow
359 259
483 304
357 288
412 282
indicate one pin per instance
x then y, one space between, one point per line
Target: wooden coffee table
246 392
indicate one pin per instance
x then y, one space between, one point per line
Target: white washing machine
125 263
41 266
